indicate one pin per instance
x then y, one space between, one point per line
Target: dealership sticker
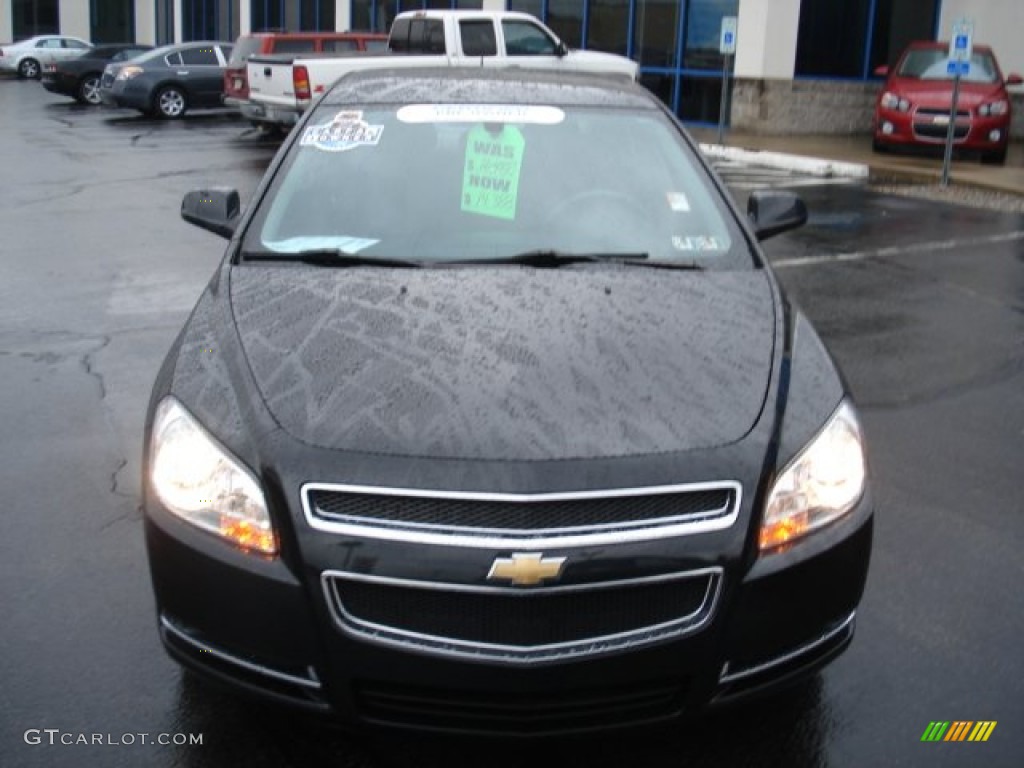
346 131
699 243
535 114
490 179
343 243
677 202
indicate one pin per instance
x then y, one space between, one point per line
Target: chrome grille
454 518
521 625
933 124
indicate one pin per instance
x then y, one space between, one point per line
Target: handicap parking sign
961 43
960 68
727 39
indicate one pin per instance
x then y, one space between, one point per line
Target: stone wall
817 107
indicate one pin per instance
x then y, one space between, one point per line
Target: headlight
996 108
201 483
820 485
890 100
127 73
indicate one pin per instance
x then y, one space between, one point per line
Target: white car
26 57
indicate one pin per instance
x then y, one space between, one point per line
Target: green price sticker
490 181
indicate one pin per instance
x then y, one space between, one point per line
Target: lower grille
519 713
517 625
933 124
938 132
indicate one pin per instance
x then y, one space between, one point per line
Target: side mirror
561 50
882 71
1015 79
215 209
774 212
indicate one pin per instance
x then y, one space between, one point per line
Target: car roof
444 85
326 34
163 50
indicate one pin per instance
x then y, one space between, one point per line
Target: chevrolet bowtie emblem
526 569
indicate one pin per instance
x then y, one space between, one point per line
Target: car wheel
89 90
28 69
170 102
878 146
994 158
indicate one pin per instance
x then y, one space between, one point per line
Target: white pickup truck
282 86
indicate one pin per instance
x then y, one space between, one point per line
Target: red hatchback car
913 106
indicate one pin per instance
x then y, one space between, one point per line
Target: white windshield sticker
702 243
341 242
346 131
481 113
677 202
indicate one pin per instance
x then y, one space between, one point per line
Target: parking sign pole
947 158
958 64
724 99
726 47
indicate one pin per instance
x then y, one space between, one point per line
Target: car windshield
435 183
932 64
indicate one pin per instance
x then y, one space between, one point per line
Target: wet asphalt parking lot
921 303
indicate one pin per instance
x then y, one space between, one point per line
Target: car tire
878 146
170 102
994 158
29 69
88 91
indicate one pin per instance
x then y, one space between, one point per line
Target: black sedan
169 81
79 78
494 418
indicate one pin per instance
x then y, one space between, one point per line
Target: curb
812 166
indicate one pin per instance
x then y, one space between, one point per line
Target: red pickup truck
236 84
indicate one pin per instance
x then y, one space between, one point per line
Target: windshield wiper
330 257
548 258
545 257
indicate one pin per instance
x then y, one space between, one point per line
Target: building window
703 30
316 15
897 23
34 17
267 15
565 17
655 32
608 26
377 15
532 7
203 19
112 21
832 37
700 98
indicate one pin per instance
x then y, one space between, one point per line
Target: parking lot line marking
902 250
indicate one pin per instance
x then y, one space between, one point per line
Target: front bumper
929 128
256 625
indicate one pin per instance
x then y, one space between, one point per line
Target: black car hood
507 363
